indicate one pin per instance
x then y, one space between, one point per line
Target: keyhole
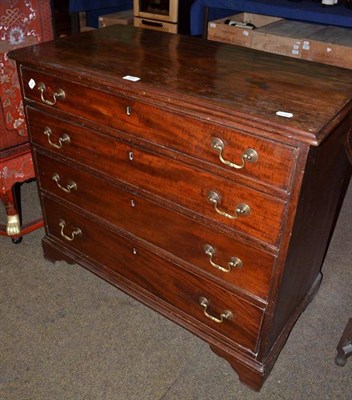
134 251
130 155
128 110
133 203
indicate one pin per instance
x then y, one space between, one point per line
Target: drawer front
155 275
155 25
203 193
180 235
179 132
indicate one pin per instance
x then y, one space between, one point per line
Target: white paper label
131 78
246 33
328 49
284 114
31 83
212 25
296 52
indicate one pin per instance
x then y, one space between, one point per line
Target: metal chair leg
344 348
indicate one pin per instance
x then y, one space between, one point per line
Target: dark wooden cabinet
202 179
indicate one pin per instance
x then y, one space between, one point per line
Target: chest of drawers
202 179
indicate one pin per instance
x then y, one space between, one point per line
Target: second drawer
237 206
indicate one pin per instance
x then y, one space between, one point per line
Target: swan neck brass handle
249 156
69 187
74 233
63 139
234 262
59 94
204 302
242 209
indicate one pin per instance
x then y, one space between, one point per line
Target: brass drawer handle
250 155
234 262
241 209
60 94
76 232
204 302
63 139
69 187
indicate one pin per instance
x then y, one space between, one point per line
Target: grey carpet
66 334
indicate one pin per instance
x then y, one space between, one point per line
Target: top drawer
229 150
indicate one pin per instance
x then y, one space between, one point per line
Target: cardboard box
120 18
221 32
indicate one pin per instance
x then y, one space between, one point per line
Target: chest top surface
207 76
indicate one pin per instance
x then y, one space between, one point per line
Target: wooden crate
313 42
221 32
120 18
331 45
284 37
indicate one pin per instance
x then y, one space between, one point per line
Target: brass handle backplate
69 187
63 139
75 232
250 155
234 262
242 209
204 302
60 94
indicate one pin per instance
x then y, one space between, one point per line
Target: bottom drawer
203 300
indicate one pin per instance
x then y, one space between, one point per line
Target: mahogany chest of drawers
203 179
